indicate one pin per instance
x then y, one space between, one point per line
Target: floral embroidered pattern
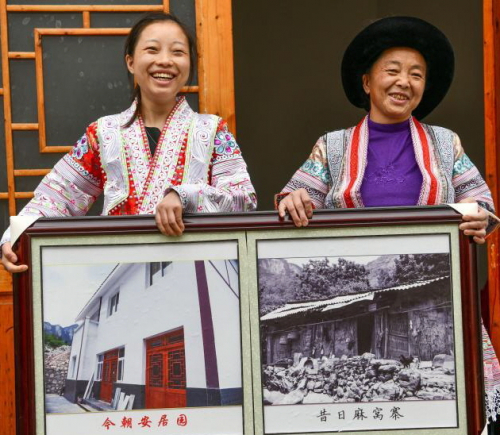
81 147
225 142
385 175
462 165
316 169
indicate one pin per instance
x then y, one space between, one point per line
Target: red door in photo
109 375
166 371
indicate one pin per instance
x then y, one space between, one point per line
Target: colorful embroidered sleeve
313 175
467 180
468 183
229 188
73 184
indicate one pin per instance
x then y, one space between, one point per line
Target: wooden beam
24 126
31 172
166 6
7 365
83 32
491 56
86 19
17 195
9 149
84 8
214 32
21 55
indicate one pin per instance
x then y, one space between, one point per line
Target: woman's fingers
475 224
298 205
168 215
9 260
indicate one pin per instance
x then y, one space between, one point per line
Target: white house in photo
166 332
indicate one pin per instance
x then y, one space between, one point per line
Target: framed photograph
365 328
125 330
363 322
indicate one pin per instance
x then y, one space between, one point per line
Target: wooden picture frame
396 231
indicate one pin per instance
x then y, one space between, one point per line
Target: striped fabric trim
430 193
356 151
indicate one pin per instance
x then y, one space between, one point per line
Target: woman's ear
129 60
366 83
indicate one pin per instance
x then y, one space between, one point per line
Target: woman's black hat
391 32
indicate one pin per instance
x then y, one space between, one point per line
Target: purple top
392 176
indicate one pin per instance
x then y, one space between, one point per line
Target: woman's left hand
169 215
474 224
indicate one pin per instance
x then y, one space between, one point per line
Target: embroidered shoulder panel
113 161
200 148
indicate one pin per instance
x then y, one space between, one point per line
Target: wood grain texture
491 47
84 8
9 146
7 374
214 30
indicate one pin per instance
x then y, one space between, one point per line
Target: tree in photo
320 279
416 267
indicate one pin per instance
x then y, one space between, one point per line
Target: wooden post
215 56
491 36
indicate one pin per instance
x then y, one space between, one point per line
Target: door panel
109 375
166 371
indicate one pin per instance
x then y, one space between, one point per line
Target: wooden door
166 371
398 336
109 375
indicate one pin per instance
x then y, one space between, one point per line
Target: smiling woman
398 69
158 156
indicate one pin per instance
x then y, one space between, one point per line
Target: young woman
158 156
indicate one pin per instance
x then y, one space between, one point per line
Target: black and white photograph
355 327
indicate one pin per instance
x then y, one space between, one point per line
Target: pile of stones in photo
358 379
56 368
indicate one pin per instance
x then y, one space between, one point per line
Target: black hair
131 43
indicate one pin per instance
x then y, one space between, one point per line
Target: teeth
163 76
399 97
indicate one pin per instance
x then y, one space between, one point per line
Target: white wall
88 364
226 319
144 312
172 302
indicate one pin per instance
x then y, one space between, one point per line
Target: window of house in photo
113 303
95 316
157 270
121 363
98 375
73 367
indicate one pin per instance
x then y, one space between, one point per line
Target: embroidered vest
347 158
135 180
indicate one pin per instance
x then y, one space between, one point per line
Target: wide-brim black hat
391 32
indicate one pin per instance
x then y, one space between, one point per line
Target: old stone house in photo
167 333
408 320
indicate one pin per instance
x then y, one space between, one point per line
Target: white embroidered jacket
196 156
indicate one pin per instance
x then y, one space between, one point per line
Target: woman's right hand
9 260
298 205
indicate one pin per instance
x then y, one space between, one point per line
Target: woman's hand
169 215
475 224
9 260
298 205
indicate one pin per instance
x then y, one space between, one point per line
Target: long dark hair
131 43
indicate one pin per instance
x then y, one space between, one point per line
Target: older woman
398 69
157 157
